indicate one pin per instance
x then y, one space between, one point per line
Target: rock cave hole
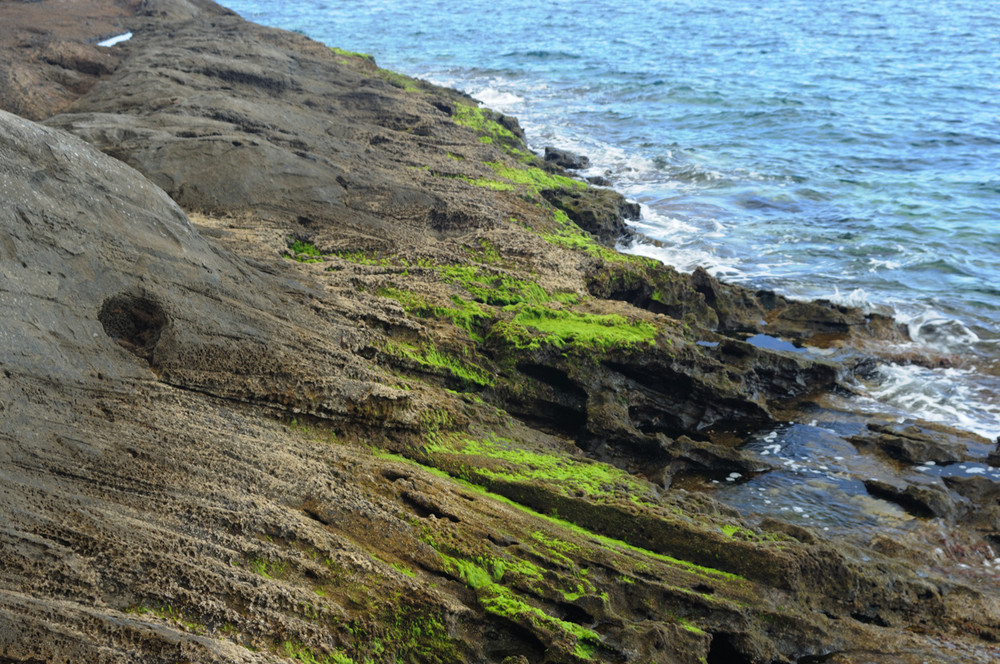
722 651
134 322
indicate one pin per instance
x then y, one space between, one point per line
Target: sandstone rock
48 54
199 434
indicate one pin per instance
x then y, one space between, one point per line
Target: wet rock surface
319 362
565 158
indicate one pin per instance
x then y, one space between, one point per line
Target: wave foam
496 99
935 330
857 298
946 396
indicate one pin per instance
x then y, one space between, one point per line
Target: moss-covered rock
391 396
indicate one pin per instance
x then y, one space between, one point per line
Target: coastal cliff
305 359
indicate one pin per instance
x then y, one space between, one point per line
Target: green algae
440 362
570 236
493 287
489 131
269 569
485 251
534 178
690 626
352 54
529 179
362 258
610 543
169 613
565 474
301 653
400 81
533 327
486 183
303 251
469 316
501 601
484 576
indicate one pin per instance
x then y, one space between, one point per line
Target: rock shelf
303 359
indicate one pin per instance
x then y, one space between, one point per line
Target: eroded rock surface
333 370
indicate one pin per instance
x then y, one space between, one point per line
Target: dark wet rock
566 159
922 500
983 495
917 442
993 458
599 180
600 212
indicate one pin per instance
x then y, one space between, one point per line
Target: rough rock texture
49 54
332 370
565 158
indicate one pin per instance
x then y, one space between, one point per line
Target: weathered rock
48 52
600 212
566 159
924 500
917 442
983 495
157 508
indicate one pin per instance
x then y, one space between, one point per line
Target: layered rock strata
304 359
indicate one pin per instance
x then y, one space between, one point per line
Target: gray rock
566 159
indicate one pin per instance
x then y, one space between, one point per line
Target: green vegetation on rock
535 326
484 123
501 459
303 251
301 653
352 54
432 358
534 178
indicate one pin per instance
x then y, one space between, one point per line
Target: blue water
832 149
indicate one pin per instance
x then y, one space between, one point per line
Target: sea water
843 150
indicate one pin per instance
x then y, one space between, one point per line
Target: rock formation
305 359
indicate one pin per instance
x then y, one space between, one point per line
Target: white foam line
108 43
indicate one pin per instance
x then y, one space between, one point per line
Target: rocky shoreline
308 360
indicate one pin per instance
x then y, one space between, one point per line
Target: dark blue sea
840 149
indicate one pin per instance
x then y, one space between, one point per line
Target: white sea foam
948 396
498 99
857 298
108 43
933 329
683 258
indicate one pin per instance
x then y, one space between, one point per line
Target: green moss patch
494 288
484 123
500 601
441 363
501 459
486 576
535 179
352 54
469 316
533 327
303 251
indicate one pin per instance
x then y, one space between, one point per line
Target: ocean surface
844 150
